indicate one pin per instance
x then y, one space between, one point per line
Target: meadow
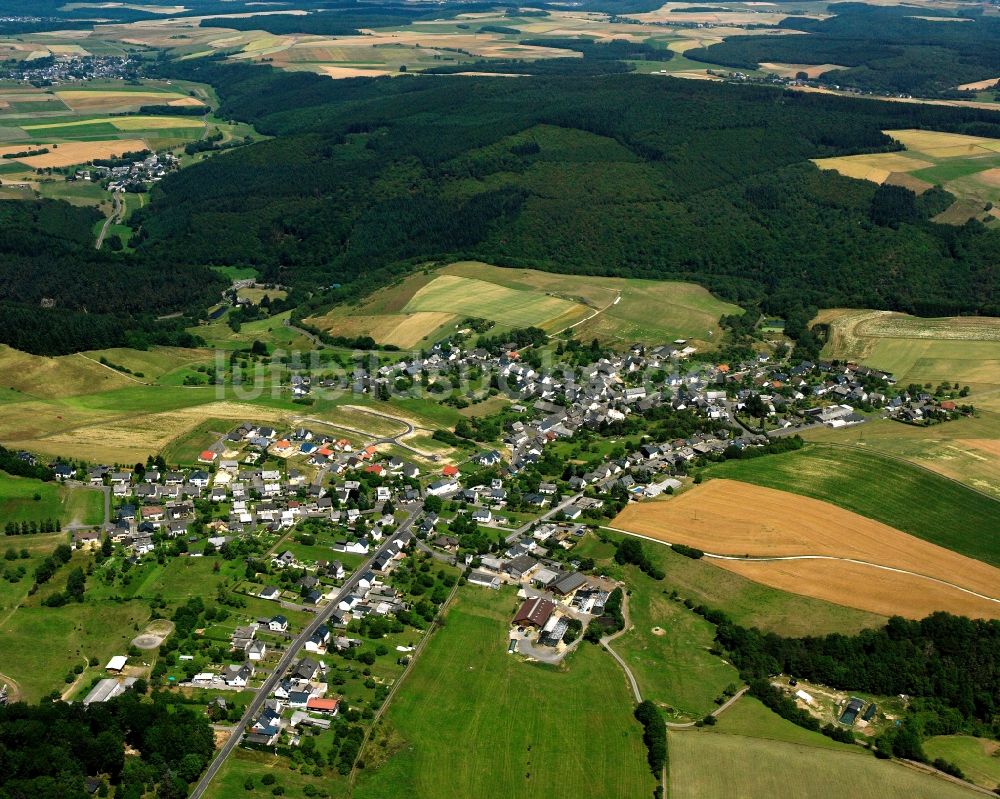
55 501
893 492
707 764
977 757
532 729
428 305
967 166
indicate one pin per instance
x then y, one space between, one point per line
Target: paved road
520 531
253 709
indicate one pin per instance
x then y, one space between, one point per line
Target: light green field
903 496
747 603
674 669
244 764
748 717
706 765
42 644
521 729
153 363
977 757
18 503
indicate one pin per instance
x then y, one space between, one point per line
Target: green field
748 717
903 496
747 603
707 765
474 721
245 765
55 501
675 668
977 757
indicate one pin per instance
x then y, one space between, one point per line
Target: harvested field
979 85
156 123
862 587
96 100
791 70
727 517
403 330
80 152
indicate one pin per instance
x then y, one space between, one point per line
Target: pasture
529 729
55 501
750 718
967 166
716 517
709 765
895 493
979 758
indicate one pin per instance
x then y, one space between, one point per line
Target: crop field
530 729
425 306
962 349
79 152
732 518
893 492
979 758
966 166
707 765
748 603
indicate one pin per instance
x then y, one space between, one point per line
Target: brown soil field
727 517
80 152
862 587
914 184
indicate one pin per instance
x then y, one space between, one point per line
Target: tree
75 584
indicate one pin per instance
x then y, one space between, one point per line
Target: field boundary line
133 378
774 558
615 301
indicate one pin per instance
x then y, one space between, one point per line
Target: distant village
52 70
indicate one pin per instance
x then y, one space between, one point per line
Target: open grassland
521 729
67 504
964 165
897 494
733 518
707 765
750 718
979 758
673 666
245 765
426 306
152 364
61 376
42 644
746 602
961 349
965 450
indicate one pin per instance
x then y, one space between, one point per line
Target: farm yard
429 304
967 166
705 765
532 728
714 517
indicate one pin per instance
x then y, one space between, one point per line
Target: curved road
286 661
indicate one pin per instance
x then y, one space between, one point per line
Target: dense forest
883 48
949 665
50 750
59 295
618 175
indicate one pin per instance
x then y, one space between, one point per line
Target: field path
133 378
615 301
116 214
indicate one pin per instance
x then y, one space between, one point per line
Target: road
254 708
520 531
116 214
394 439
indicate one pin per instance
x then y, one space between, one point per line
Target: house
327 706
440 488
256 650
450 471
238 676
278 624
208 456
534 612
269 592
485 579
482 516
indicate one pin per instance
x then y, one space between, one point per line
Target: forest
50 750
625 175
884 48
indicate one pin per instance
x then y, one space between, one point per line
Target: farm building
117 663
534 612
854 706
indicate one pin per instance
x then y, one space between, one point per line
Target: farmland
967 166
714 517
913 500
428 305
518 720
707 764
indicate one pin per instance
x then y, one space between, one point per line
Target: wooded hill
617 175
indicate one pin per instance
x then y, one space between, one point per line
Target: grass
675 669
905 497
244 765
235 273
706 764
474 721
748 717
746 602
42 644
977 757
55 501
